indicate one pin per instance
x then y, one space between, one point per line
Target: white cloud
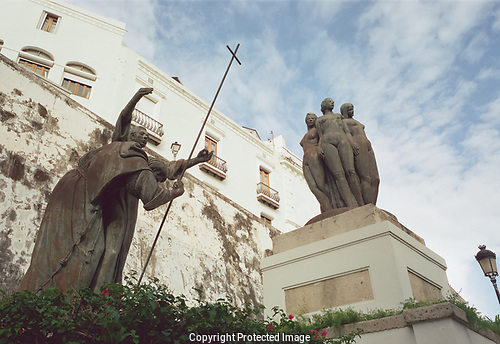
489 73
321 10
476 48
496 22
491 113
139 17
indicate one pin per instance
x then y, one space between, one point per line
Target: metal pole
494 282
233 57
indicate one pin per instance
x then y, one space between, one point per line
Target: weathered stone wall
208 242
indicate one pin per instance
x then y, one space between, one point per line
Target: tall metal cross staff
233 57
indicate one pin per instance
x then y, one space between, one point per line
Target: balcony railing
268 195
216 167
154 128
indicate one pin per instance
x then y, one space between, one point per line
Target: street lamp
488 263
175 147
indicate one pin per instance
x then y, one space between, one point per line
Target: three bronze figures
339 163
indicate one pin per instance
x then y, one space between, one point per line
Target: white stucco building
84 54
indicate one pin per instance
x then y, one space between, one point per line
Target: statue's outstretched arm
203 156
125 119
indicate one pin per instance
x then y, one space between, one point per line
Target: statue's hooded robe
105 188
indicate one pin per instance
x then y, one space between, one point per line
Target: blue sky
423 77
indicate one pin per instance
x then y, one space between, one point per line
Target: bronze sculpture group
89 222
339 164
90 218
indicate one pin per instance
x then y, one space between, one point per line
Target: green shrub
147 313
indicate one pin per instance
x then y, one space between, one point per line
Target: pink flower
313 331
158 305
270 327
323 333
105 292
291 317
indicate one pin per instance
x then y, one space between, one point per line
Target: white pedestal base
363 259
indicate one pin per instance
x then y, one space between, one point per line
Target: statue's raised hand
144 91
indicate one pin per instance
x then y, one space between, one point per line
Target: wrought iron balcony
268 195
216 167
154 128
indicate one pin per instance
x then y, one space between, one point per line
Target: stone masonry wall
208 242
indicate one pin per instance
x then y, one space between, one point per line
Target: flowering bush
137 314
285 325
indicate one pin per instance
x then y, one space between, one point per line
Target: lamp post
175 147
488 263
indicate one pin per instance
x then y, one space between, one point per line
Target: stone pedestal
364 259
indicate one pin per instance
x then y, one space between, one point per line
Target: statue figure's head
327 104
347 110
311 119
159 169
139 135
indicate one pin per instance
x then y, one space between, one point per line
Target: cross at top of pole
234 54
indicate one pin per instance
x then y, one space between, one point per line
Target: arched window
36 60
81 69
78 79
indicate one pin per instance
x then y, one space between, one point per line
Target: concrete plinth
363 258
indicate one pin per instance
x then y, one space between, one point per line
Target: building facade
208 241
83 54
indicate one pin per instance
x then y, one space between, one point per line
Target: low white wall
442 323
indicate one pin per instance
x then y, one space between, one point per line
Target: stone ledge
435 312
338 224
376 325
410 317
